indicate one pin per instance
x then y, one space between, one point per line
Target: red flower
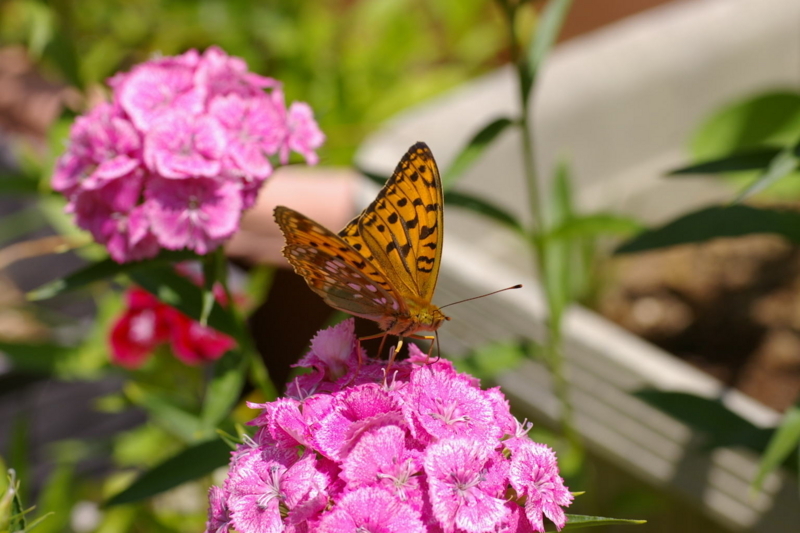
147 323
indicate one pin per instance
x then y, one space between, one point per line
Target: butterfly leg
370 337
427 338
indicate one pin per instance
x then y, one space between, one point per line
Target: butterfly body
384 264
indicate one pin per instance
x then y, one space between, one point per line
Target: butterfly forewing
333 269
401 230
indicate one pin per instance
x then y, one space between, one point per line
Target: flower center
447 413
273 488
143 326
465 481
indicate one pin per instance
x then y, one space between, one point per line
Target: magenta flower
219 518
534 474
374 510
160 87
198 213
181 146
103 146
422 450
304 134
187 118
466 484
445 404
381 458
255 130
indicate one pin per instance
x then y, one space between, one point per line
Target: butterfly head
421 316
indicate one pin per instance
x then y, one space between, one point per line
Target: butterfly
384 264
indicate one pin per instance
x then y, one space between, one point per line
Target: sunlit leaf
547 30
577 521
224 389
767 119
781 165
785 441
596 225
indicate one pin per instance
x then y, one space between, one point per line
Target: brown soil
730 307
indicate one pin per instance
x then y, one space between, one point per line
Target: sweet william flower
219 519
387 455
184 146
466 484
197 213
147 323
374 510
534 474
197 118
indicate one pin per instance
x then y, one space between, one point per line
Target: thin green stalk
553 345
258 370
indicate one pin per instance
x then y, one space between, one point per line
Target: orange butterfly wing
334 270
384 264
401 230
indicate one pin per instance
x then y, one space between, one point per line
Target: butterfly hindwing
401 230
334 270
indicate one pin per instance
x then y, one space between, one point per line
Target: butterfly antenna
482 296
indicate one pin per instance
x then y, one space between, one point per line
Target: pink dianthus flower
178 154
423 450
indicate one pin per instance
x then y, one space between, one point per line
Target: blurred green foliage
356 62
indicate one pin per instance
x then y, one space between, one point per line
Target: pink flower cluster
147 323
421 450
177 155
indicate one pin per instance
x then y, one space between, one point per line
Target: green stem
553 344
258 370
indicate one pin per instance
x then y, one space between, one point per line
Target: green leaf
224 389
57 498
596 225
482 207
723 426
767 119
62 53
547 31
577 521
191 463
41 358
557 254
473 150
101 270
18 184
737 162
785 441
714 222
781 165
169 416
16 512
179 292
